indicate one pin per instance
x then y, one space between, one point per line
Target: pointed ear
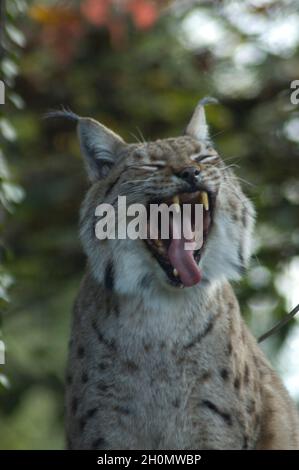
197 126
99 146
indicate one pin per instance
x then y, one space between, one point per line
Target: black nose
190 174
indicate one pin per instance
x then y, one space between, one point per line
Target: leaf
4 171
4 381
13 192
6 282
9 68
8 131
15 35
16 100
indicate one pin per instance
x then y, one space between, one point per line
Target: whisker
228 159
134 181
232 165
228 186
141 135
145 180
135 137
217 133
246 182
243 181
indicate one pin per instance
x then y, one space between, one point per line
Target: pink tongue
184 262
181 259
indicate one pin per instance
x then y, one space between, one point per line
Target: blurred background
138 67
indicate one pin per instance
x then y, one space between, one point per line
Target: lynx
160 357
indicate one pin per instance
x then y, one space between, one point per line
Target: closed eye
149 166
204 158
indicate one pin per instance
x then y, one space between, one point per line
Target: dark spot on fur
98 443
245 442
69 379
256 361
202 334
84 378
90 413
80 352
102 365
229 347
257 420
225 416
268 436
205 376
250 407
82 424
109 276
109 343
116 309
237 383
239 268
147 347
244 217
246 375
242 262
74 405
224 374
146 281
162 344
131 366
176 403
102 387
122 409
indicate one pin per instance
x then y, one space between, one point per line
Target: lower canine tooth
205 200
175 272
176 203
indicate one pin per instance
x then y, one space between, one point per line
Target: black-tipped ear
198 127
99 146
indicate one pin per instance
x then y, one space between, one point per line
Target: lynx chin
160 357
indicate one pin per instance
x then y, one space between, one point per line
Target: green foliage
146 83
10 192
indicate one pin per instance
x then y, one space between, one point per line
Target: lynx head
185 169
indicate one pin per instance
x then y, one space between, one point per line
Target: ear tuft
99 145
197 126
63 113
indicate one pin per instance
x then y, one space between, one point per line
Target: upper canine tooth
205 200
175 272
176 203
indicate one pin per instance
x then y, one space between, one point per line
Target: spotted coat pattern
156 367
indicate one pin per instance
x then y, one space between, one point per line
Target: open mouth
181 264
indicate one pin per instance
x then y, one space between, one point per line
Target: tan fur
152 366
